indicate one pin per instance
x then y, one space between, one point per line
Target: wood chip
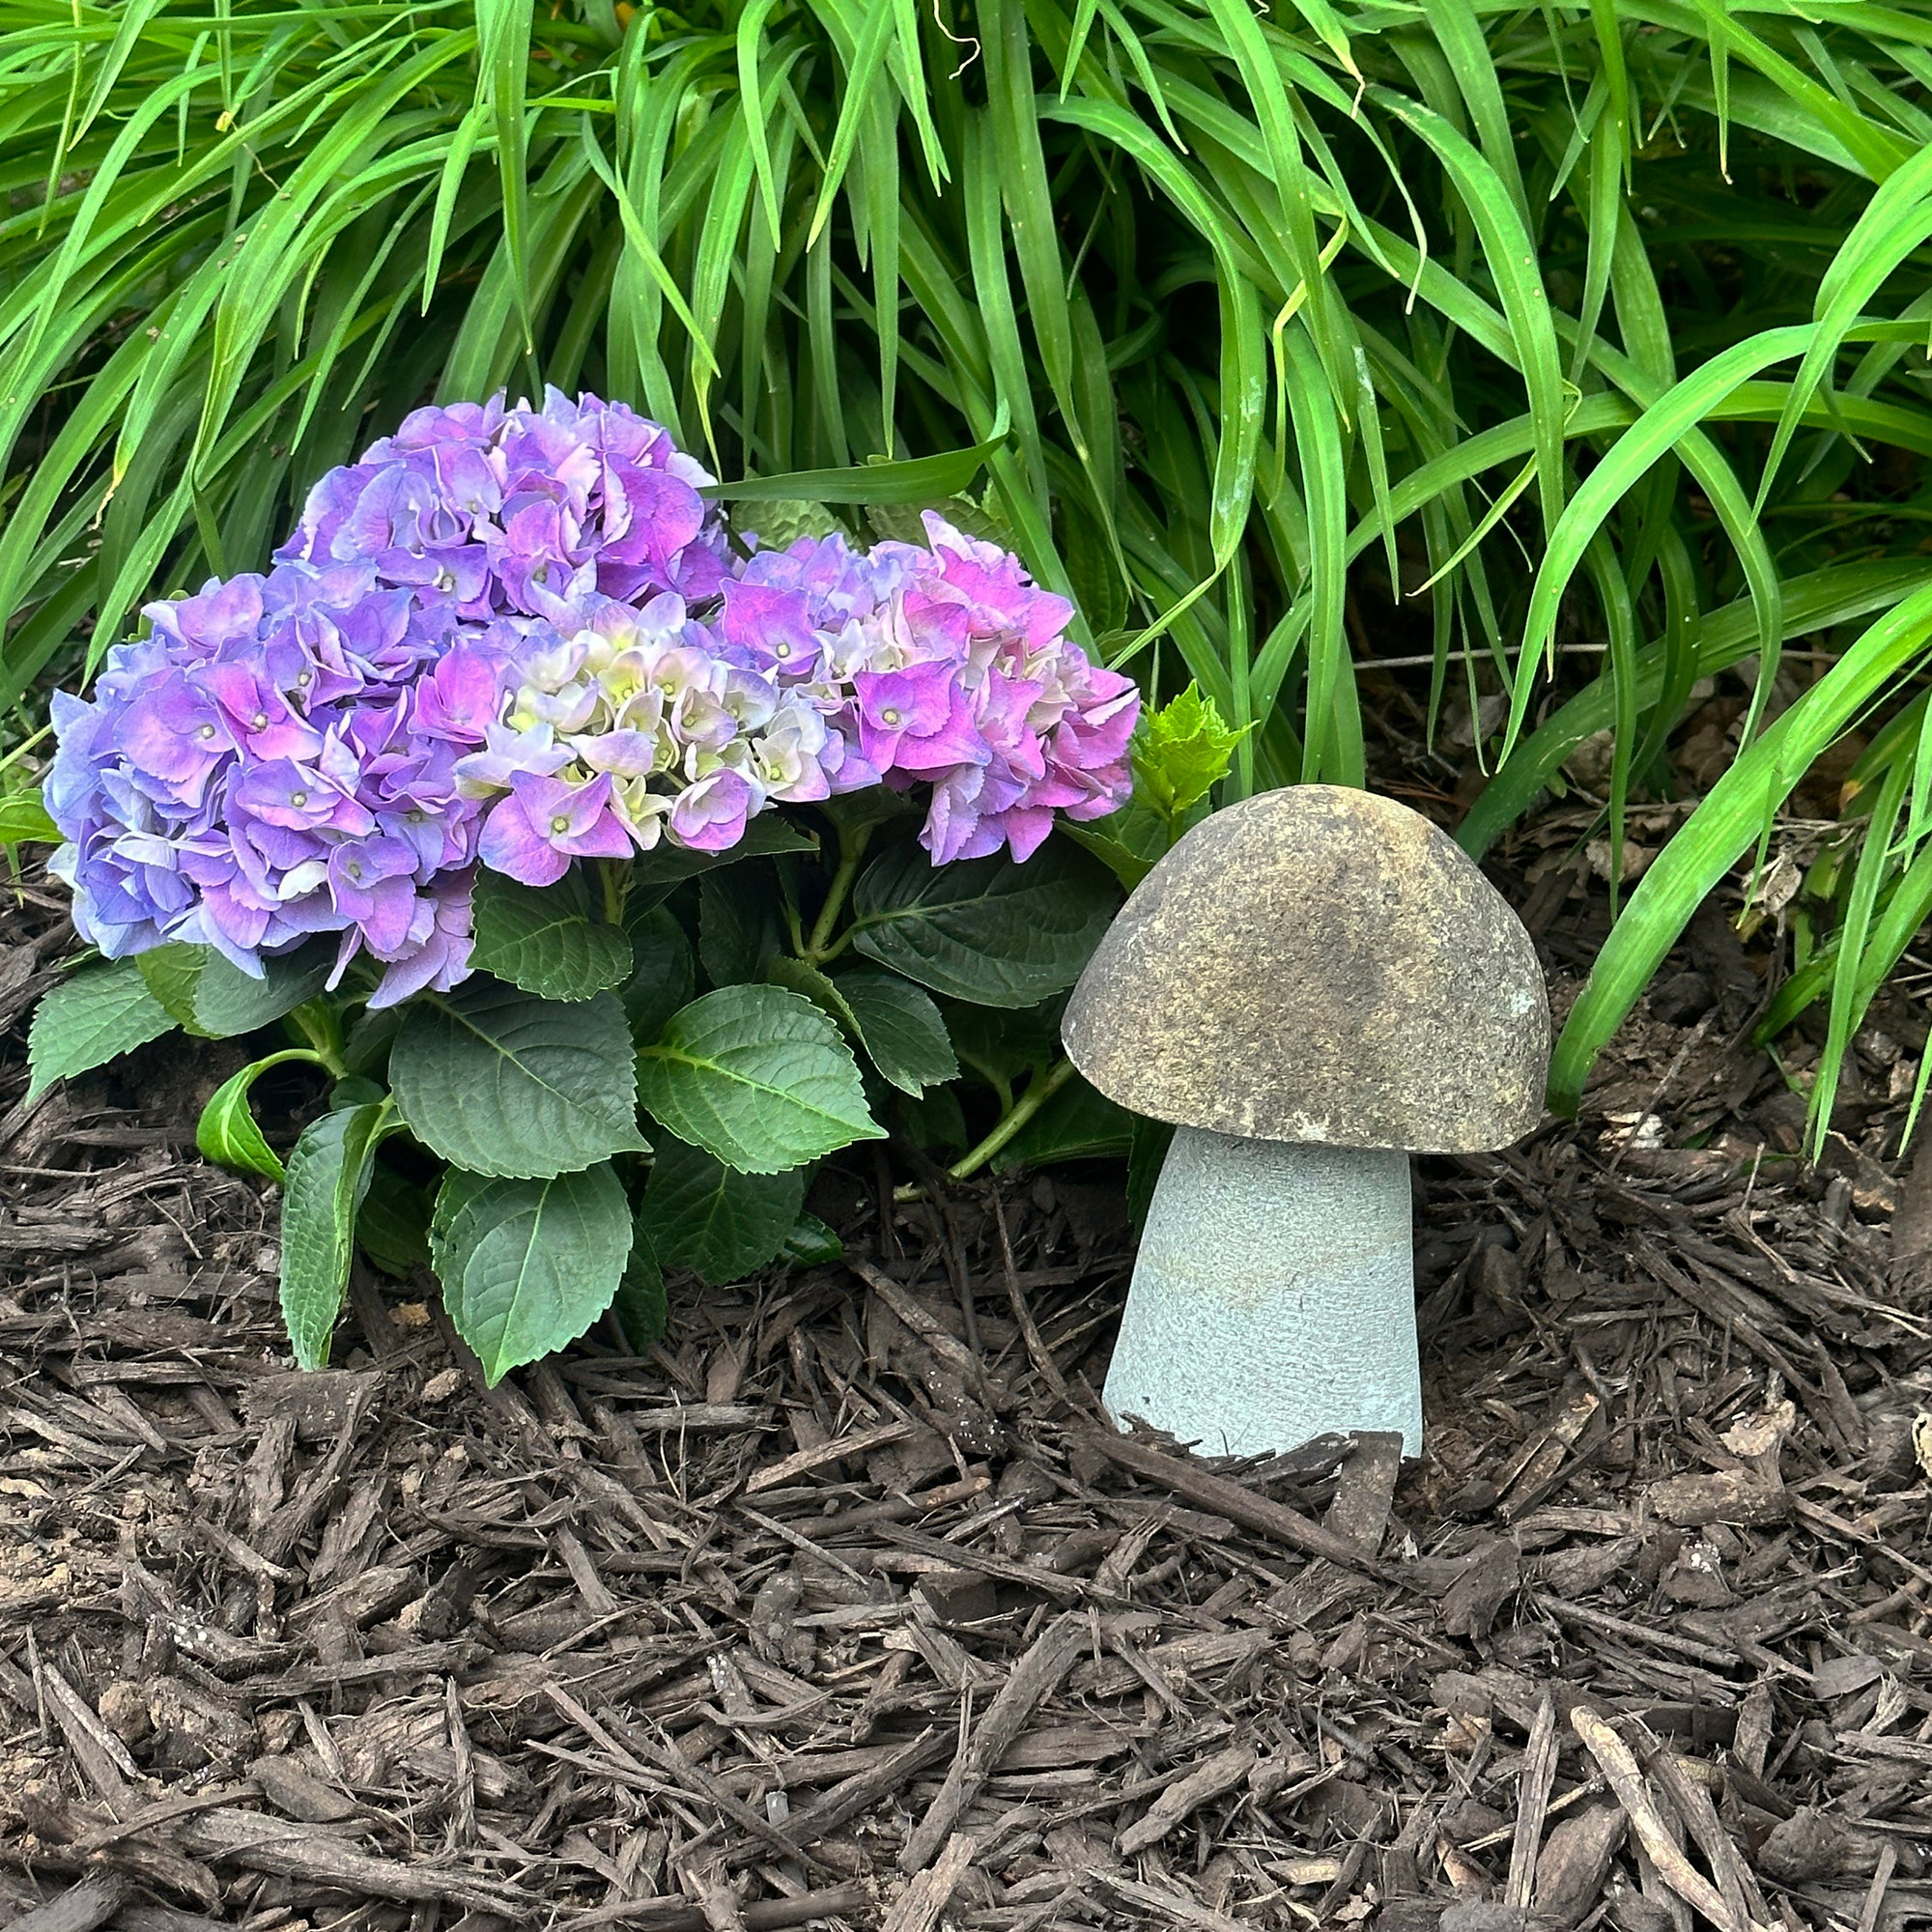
1033 1679
1230 1500
1625 1778
1208 1780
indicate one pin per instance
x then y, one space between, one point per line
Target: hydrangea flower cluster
518 638
945 665
489 509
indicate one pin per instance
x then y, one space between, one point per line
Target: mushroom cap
1318 964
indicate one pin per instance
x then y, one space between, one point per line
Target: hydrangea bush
515 744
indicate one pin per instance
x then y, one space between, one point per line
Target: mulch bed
842 1607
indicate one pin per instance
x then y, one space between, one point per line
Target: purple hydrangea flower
944 664
543 824
275 759
516 638
491 509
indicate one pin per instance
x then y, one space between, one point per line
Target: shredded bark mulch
843 1607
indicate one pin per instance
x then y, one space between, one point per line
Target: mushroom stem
1274 1299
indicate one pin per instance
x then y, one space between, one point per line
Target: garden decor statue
1313 984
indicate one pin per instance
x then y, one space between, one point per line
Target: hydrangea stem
616 875
820 947
1042 1088
321 1025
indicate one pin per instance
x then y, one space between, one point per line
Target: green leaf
662 975
211 996
816 986
366 1050
1182 752
329 1174
226 1131
890 1020
1727 822
641 1308
1001 1047
1147 1154
92 1016
811 1243
172 973
757 1076
935 1120
228 1000
721 1223
780 522
905 523
737 925
899 1029
393 1227
1129 842
543 940
919 479
500 1082
986 930
24 820
356 1089
528 1265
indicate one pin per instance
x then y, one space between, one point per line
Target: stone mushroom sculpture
1313 984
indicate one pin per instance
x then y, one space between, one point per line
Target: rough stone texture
1318 964
1273 1299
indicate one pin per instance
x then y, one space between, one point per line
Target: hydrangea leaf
757 1076
894 1023
985 930
542 938
1129 842
211 997
737 924
663 974
818 987
660 873
781 522
528 1265
90 1018
172 974
935 1120
1079 1123
905 523
900 1029
1182 752
393 1227
329 1174
227 1132
1001 1047
641 1307
811 1242
502 1082
228 1000
699 1214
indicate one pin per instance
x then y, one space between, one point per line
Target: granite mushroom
1312 985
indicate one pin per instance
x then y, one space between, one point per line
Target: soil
843 1607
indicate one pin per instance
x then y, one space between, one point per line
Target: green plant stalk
1038 1092
614 875
821 945
321 1025
282 1056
